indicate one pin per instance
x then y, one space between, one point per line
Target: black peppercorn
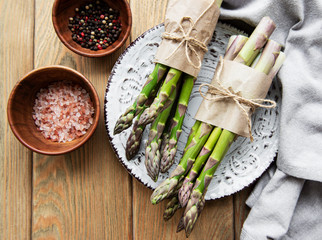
95 26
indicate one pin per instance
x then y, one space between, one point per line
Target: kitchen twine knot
191 43
220 93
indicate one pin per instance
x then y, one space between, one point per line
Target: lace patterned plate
244 162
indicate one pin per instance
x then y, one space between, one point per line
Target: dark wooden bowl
21 102
64 9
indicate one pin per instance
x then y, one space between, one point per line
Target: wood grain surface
15 161
86 194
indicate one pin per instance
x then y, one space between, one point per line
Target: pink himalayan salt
63 111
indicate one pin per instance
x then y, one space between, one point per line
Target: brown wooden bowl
21 102
64 9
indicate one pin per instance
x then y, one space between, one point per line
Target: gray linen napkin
287 201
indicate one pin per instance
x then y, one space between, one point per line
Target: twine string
191 43
219 93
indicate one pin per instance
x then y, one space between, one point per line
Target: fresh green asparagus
171 208
125 120
134 139
170 148
256 41
157 106
169 185
192 210
185 190
152 152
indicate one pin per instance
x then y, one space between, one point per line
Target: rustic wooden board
240 210
85 194
16 42
215 222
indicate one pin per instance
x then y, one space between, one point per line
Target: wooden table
86 194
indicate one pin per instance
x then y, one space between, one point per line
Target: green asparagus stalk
171 208
192 133
152 152
157 106
185 190
278 64
268 58
166 131
125 120
218 3
192 210
230 41
134 139
170 148
256 41
200 207
235 44
174 204
169 185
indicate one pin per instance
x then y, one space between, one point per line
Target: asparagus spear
193 131
265 65
157 106
256 41
235 44
169 185
134 139
201 205
170 148
171 208
125 120
185 190
278 63
152 152
192 210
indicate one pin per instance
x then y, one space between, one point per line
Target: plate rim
119 59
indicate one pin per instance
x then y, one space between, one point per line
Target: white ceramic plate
244 162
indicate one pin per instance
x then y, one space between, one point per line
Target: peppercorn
95 26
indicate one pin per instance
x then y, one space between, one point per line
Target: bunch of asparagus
162 102
207 145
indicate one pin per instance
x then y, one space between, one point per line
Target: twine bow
191 43
220 93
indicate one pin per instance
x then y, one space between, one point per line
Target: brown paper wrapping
189 23
243 81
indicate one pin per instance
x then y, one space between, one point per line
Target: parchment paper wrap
189 26
242 81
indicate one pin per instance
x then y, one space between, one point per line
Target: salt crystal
56 123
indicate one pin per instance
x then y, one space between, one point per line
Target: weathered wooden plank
85 194
215 222
146 14
240 210
16 59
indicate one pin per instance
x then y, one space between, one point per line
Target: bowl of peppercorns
92 28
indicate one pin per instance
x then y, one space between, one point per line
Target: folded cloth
286 203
